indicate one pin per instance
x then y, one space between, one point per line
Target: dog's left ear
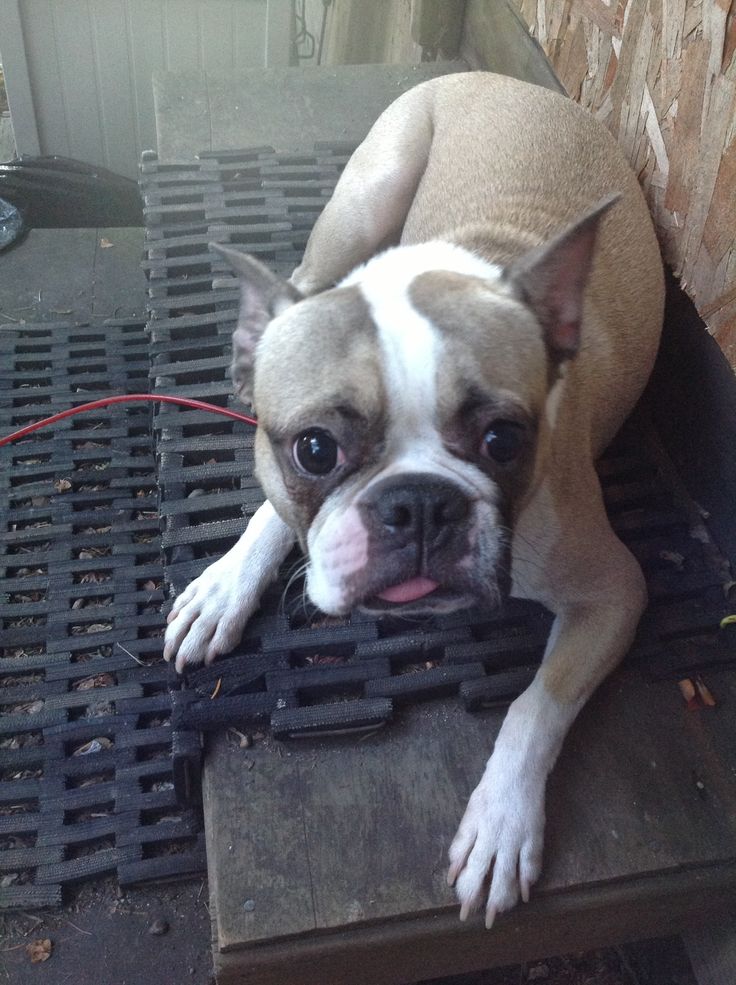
551 279
263 296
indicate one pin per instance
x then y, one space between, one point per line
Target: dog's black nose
419 507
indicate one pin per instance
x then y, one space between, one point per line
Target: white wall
78 72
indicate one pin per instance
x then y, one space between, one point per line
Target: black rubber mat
86 783
295 670
265 202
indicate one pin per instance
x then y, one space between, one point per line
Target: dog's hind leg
586 576
209 616
373 196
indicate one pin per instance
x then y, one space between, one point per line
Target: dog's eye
317 453
503 441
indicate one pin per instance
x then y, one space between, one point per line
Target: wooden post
18 80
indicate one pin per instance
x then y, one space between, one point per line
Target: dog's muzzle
418 532
418 510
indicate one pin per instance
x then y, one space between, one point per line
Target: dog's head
402 414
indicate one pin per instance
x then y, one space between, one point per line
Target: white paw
209 617
500 840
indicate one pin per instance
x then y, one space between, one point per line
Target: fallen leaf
674 558
105 244
94 745
704 693
699 532
245 741
30 708
39 950
687 689
99 680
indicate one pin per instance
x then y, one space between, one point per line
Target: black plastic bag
56 192
12 226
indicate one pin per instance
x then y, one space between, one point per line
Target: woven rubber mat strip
86 780
295 669
265 201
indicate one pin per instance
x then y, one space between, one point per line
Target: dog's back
511 165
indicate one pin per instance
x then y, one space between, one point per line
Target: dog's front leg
209 617
502 832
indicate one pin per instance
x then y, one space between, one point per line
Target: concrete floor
73 275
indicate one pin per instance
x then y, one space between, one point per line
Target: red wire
121 399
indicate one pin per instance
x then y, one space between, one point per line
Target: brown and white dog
430 412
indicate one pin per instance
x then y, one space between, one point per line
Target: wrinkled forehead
320 352
407 343
490 343
449 330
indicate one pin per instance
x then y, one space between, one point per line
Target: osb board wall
661 75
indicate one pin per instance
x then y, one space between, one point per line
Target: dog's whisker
299 569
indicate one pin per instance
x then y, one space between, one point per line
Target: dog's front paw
209 617
500 838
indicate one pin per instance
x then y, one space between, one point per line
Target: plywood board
662 77
325 837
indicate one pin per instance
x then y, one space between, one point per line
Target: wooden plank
390 805
405 951
368 823
257 862
722 217
18 79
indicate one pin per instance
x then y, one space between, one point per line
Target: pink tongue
409 591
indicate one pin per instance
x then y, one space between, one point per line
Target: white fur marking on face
403 263
411 348
338 549
410 343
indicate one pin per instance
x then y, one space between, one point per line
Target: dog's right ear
552 279
263 296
